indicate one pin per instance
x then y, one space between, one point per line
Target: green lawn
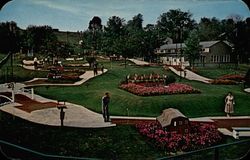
215 72
209 103
121 142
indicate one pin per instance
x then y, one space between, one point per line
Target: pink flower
142 89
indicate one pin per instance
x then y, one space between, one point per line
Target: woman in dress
229 104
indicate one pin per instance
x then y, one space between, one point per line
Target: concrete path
139 62
84 77
247 90
75 115
190 75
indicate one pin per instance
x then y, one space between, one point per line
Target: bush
169 79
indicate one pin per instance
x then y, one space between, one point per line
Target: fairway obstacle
30 91
61 107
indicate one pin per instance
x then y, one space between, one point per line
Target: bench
241 132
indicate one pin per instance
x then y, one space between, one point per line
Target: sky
74 15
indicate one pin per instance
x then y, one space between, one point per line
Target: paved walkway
84 77
190 75
139 62
75 115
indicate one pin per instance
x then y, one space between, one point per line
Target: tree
192 49
95 23
39 38
115 25
10 37
171 22
95 26
136 22
209 29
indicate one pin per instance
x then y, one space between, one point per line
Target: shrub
169 79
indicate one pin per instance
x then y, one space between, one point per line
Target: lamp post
181 50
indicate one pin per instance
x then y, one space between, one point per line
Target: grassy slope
209 103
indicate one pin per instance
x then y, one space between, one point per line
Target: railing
12 151
232 151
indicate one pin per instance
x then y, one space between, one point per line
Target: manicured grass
215 72
209 103
20 74
121 142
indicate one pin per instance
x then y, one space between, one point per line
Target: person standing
102 68
105 107
229 104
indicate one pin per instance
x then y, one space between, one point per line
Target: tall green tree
95 27
136 22
209 29
10 37
192 49
39 38
175 23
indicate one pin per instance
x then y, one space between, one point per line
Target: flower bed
233 77
144 89
63 76
201 135
222 81
230 79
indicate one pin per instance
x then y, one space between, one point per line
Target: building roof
167 115
171 46
208 44
204 44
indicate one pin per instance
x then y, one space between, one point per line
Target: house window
212 58
180 123
174 123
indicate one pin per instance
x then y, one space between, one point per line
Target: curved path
75 115
84 77
190 75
